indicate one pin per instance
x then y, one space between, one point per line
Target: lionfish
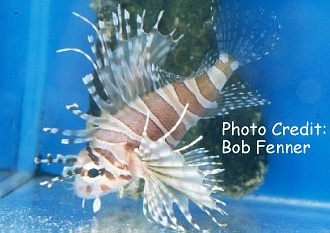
147 112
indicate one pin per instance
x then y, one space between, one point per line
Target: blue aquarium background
36 83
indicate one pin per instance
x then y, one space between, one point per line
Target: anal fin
236 95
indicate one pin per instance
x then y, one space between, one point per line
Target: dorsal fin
130 69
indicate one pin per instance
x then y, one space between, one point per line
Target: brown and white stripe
167 103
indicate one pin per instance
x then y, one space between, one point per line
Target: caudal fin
247 34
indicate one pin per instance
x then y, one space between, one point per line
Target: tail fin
245 34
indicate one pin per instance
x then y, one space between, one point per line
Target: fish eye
92 173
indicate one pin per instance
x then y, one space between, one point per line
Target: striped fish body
166 104
146 114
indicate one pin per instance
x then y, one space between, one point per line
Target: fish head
95 178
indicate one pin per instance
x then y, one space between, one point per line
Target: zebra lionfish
148 111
